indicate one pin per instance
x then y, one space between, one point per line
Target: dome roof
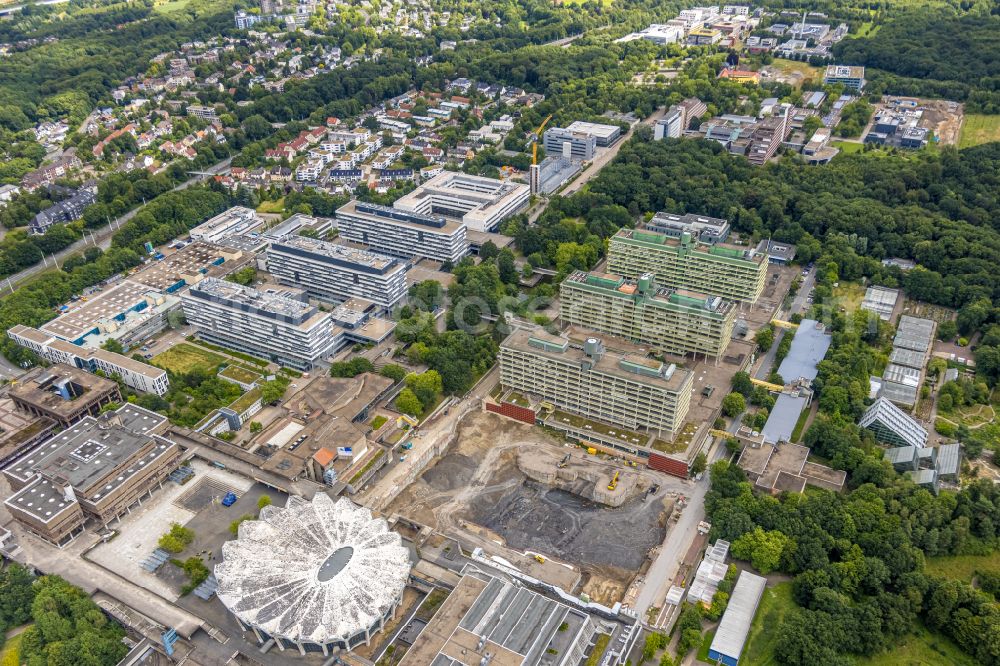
316 571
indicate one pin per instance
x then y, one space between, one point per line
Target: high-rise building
671 125
479 203
729 271
676 321
273 322
336 272
402 234
627 390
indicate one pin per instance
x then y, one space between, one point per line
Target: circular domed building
314 575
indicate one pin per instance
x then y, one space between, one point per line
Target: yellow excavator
614 482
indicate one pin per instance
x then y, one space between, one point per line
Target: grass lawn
240 374
800 424
272 206
923 648
962 567
867 30
10 655
774 605
185 357
978 129
848 147
849 296
706 643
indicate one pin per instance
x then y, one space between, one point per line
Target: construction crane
720 433
784 324
776 388
534 139
614 482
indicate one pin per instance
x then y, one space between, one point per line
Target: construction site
529 498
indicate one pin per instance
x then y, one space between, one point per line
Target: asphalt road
100 238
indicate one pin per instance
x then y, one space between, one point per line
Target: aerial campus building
335 272
402 234
559 142
314 576
236 220
98 468
479 203
676 321
892 425
704 229
273 323
627 390
63 393
720 269
734 628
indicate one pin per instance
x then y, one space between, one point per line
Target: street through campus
102 237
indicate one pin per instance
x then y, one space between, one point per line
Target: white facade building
236 220
478 203
400 233
273 323
336 272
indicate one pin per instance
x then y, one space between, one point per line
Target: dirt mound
451 472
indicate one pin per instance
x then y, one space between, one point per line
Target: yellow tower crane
534 139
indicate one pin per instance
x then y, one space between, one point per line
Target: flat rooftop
337 254
17 427
39 387
692 302
620 358
237 219
270 301
461 196
121 305
189 263
723 251
597 130
400 218
914 333
90 452
809 347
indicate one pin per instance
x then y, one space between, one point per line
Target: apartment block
403 234
729 271
676 321
627 390
336 272
273 323
140 376
98 468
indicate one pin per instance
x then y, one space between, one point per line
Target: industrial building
734 627
402 234
513 625
622 389
604 135
704 229
63 393
729 271
675 321
892 425
314 576
478 203
235 221
98 468
137 375
186 264
273 323
126 312
559 142
335 272
850 77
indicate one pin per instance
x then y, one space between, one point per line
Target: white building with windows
273 322
478 203
336 272
400 233
236 220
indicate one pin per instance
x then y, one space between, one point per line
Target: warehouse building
99 468
63 393
729 271
402 234
809 347
273 323
704 229
479 203
336 272
137 375
676 321
622 389
892 425
559 142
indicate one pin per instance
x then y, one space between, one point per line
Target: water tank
592 347
686 238
645 283
669 372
